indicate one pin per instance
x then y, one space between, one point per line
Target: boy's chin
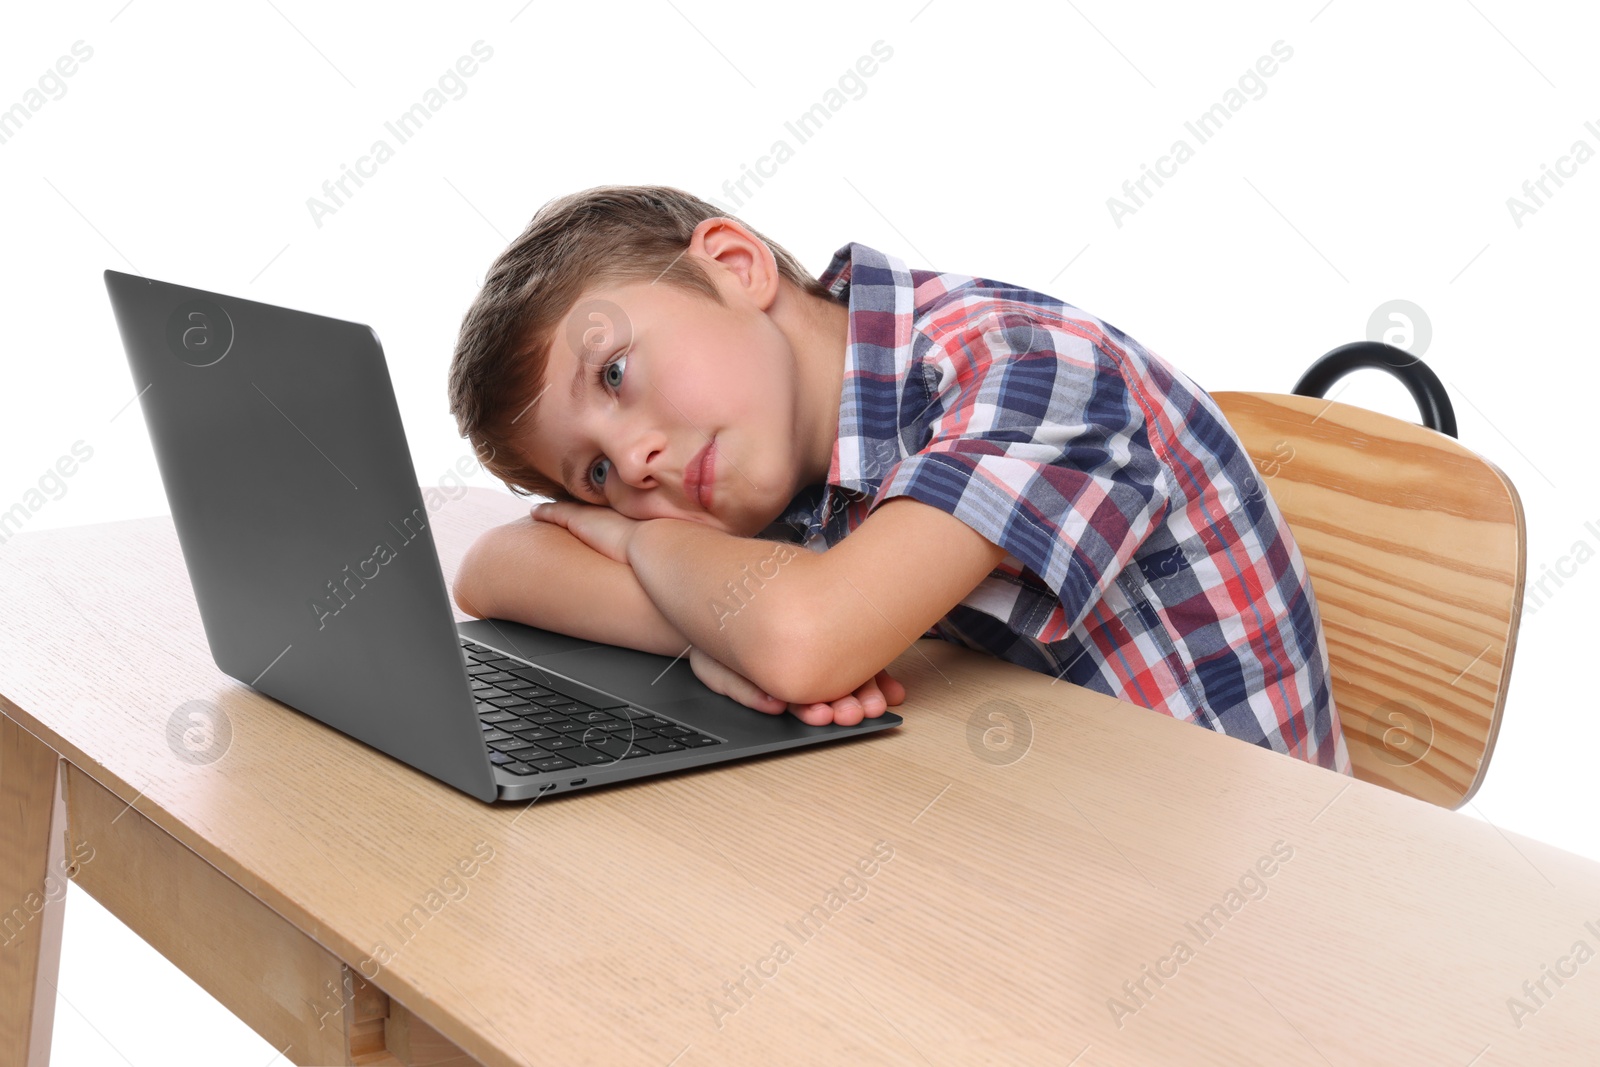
702 519
719 524
716 524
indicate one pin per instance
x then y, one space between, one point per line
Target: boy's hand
605 530
869 700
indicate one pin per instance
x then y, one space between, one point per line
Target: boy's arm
540 574
808 626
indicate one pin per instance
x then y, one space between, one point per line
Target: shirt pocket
1136 589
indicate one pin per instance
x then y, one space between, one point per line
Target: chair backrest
1416 550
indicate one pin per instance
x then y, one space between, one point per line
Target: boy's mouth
700 475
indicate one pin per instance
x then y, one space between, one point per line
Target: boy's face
660 373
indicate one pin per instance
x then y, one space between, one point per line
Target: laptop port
547 788
577 781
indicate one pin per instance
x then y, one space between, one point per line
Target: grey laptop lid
302 526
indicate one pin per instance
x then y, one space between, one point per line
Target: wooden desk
930 895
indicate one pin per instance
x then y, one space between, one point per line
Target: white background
1376 166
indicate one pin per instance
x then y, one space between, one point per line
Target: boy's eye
603 375
605 371
589 481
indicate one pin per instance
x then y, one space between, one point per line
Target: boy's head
624 330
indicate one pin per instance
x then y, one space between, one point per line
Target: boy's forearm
541 575
735 598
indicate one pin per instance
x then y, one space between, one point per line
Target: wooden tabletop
1024 872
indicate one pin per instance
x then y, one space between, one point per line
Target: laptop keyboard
532 728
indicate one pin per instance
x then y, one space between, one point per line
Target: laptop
310 551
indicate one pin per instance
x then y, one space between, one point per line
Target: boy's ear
745 261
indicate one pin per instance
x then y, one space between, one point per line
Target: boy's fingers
733 685
769 705
813 714
847 711
747 693
894 691
871 700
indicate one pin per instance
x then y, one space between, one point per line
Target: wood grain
33 892
973 887
1416 548
284 985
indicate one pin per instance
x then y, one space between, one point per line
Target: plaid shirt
1147 561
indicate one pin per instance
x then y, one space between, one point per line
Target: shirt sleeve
1036 439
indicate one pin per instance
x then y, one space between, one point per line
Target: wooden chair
1416 549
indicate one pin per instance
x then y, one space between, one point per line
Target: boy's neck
819 332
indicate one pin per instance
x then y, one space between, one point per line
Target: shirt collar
879 291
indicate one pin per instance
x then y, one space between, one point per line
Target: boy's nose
640 464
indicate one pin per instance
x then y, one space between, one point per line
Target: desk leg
288 988
33 893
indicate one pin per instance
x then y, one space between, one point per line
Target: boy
1013 474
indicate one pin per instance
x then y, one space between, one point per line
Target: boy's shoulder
881 288
938 353
925 316
973 366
